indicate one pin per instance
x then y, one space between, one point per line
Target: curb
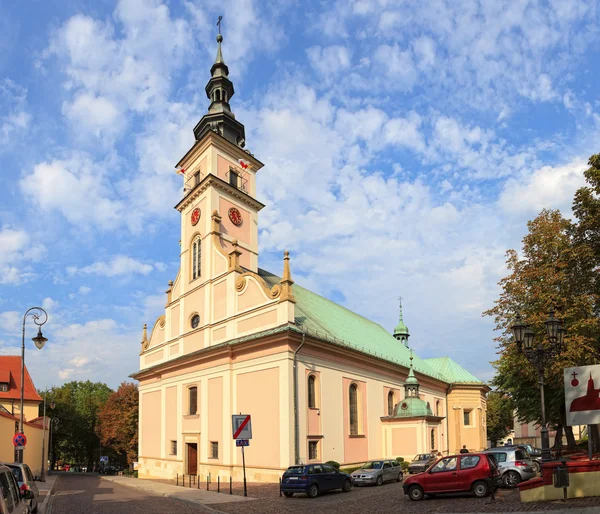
202 507
45 507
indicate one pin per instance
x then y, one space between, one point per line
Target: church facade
319 381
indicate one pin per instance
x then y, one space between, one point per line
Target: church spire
411 384
219 91
401 330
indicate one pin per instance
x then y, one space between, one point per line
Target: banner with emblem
582 395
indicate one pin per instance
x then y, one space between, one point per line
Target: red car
475 472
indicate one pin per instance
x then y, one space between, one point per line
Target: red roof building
10 374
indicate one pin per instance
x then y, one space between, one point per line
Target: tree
546 276
77 405
118 422
500 418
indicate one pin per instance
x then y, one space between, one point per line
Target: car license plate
293 478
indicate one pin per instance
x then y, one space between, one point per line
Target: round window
195 321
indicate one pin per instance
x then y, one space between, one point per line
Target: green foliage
400 459
333 463
500 420
351 469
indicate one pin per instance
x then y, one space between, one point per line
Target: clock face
235 216
195 216
195 321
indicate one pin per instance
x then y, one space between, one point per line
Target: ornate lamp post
53 421
539 355
40 316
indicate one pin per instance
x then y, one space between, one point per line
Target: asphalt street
89 494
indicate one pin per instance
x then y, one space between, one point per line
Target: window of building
312 403
353 401
173 448
196 178
437 408
467 418
391 403
4 387
233 178
313 450
193 400
214 450
195 321
196 257
432 439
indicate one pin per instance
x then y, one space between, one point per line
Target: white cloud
118 265
16 252
93 114
329 61
14 116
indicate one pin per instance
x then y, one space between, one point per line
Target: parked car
475 472
421 462
26 481
12 500
514 464
376 472
313 479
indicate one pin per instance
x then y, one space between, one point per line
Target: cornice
217 183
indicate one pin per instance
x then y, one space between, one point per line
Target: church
319 381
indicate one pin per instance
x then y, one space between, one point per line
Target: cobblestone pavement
387 499
89 494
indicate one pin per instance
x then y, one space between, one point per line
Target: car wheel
288 494
379 480
511 479
415 493
400 477
480 489
347 487
313 491
536 466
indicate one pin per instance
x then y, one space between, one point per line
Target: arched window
391 403
353 401
312 404
432 439
193 400
437 408
196 257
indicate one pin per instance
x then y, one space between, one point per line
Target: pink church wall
219 300
404 441
258 395
252 296
151 435
215 416
193 342
154 357
223 168
241 233
170 419
356 448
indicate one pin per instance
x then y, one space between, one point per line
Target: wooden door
192 458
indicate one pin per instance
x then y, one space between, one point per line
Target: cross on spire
400 300
219 23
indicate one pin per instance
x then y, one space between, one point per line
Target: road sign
19 447
104 458
582 385
19 439
241 425
242 442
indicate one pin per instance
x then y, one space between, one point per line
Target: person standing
464 449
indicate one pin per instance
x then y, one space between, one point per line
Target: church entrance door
192 458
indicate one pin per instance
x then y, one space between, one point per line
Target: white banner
582 395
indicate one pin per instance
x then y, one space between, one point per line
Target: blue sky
406 144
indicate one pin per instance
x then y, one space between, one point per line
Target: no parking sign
19 440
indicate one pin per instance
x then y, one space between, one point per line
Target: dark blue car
313 479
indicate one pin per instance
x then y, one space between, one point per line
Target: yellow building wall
30 409
461 399
32 454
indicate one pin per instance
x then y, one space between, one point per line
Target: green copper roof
401 329
412 407
329 321
451 371
411 379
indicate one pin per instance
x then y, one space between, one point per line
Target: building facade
319 381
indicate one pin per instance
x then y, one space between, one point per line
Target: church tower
401 330
411 384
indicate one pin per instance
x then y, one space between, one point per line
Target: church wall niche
153 357
218 334
174 321
257 393
219 300
215 417
259 322
251 296
193 342
173 349
170 420
194 304
151 414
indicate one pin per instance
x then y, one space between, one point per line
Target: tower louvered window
311 392
196 257
390 403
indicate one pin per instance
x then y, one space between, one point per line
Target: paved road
89 494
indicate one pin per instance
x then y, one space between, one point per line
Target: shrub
333 463
350 469
400 459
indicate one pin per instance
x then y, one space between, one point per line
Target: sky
406 145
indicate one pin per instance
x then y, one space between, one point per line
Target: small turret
411 384
401 330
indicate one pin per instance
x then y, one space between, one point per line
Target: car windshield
375 464
422 456
295 470
17 474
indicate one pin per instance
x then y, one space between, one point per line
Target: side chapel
319 381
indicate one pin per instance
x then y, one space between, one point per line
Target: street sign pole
244 466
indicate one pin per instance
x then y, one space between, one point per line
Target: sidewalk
45 489
191 495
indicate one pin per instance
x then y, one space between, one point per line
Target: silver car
26 482
514 465
376 472
421 462
12 501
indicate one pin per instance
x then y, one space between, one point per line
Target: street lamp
53 421
39 316
539 355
